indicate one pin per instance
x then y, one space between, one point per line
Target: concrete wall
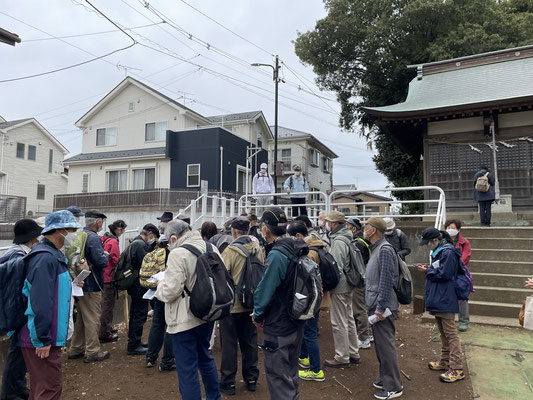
24 175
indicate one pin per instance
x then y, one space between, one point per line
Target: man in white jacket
262 184
190 335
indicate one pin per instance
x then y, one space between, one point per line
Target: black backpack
212 295
306 293
124 275
250 277
329 270
12 303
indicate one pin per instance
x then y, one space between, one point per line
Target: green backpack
124 275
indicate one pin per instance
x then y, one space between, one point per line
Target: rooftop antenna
126 68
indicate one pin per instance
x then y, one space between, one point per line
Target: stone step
502 243
499 280
498 294
498 232
502 254
502 267
479 319
493 309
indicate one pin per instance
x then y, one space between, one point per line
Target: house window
106 136
40 192
32 152
193 175
85 182
117 180
259 139
131 106
155 131
20 150
327 164
144 178
286 160
50 160
314 158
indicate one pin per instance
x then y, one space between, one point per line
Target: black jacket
400 242
97 260
363 245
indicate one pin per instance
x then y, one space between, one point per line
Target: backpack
329 271
124 275
355 271
482 183
76 252
306 293
153 262
403 287
212 295
12 302
291 183
250 277
464 284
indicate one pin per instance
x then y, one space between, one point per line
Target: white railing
220 210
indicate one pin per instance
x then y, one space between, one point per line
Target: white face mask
433 245
263 171
328 227
452 232
298 173
70 237
151 241
171 245
321 222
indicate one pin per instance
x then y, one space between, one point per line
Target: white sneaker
371 338
151 313
365 344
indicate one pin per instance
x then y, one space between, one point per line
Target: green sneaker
308 375
463 327
303 362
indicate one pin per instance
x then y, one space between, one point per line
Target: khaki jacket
180 272
234 260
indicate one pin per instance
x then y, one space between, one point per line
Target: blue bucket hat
60 219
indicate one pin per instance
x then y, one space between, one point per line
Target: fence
12 208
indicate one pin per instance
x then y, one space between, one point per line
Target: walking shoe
166 368
308 375
355 360
378 384
74 356
110 338
463 327
303 362
139 351
363 344
441 365
150 364
452 375
144 344
382 394
251 386
100 356
151 313
228 389
335 364
371 337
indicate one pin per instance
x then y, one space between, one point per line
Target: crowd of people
364 257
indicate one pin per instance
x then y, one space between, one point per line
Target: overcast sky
57 100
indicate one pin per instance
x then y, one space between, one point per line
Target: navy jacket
12 276
94 253
484 196
440 279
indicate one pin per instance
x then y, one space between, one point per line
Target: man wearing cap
397 238
282 336
441 301
262 184
381 273
164 220
295 184
342 321
85 341
76 211
360 312
47 288
223 239
14 376
238 327
140 246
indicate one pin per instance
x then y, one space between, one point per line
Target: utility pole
276 79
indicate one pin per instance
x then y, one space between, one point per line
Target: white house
304 149
31 164
124 138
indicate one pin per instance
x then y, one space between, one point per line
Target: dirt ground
126 377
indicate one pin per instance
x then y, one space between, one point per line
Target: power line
70 66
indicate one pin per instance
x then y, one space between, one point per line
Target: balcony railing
134 199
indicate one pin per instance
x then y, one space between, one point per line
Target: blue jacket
440 279
47 290
94 253
484 196
296 185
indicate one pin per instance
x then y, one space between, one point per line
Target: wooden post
126 308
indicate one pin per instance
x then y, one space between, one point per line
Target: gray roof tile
8 124
153 151
233 117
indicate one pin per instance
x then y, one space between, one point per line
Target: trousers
451 346
159 337
485 212
45 374
14 376
360 313
108 304
138 316
384 343
343 327
85 338
298 210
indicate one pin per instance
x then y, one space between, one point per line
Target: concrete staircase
502 259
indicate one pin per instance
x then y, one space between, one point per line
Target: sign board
204 187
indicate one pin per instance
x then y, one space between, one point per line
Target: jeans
158 337
14 377
191 349
464 312
310 344
298 210
138 316
484 212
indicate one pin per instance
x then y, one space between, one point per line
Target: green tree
361 50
